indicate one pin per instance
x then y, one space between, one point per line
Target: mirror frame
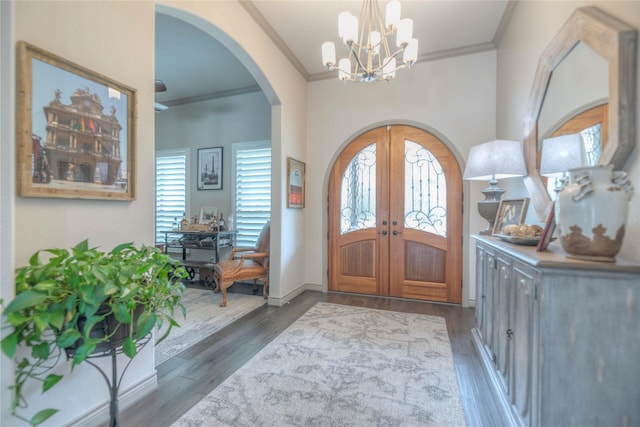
616 42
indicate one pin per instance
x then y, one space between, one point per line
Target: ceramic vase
591 212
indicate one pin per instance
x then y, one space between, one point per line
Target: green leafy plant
61 305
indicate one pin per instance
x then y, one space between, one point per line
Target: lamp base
488 208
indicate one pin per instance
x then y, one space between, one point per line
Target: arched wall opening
222 37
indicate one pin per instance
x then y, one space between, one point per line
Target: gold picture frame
295 183
510 211
75 130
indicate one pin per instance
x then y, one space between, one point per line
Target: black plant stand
114 382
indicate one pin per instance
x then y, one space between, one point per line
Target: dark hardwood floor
186 378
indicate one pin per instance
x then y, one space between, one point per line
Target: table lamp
559 154
489 162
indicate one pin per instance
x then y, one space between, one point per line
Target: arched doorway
211 20
395 217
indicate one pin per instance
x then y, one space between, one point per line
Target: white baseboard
99 415
279 302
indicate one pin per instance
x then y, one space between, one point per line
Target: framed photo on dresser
549 228
510 211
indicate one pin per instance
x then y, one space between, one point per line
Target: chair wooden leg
223 303
265 288
216 279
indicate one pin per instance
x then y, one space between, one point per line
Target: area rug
342 366
204 317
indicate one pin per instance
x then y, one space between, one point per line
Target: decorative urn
591 212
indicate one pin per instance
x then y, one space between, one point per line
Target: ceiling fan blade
160 86
160 107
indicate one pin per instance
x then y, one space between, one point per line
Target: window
425 190
252 183
171 189
358 192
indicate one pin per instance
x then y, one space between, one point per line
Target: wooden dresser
559 338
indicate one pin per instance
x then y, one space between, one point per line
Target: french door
395 217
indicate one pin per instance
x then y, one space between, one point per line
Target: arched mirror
589 63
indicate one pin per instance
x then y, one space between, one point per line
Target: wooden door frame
468 250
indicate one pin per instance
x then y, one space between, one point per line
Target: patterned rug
342 366
204 317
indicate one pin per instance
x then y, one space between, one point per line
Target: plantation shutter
171 190
253 190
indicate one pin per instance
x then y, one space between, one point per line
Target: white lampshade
374 41
562 153
389 69
410 54
350 30
344 68
392 15
343 23
405 32
495 160
328 54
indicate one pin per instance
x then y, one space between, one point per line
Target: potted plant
62 304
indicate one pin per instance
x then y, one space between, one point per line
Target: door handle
395 233
384 232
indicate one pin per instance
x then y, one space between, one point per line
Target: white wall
117 40
7 172
532 26
453 98
104 43
213 123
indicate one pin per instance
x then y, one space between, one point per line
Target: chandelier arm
388 59
383 35
358 63
353 52
374 70
366 42
355 76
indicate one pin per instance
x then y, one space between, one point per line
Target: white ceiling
194 66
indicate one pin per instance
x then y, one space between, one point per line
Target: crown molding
213 95
253 11
504 22
433 56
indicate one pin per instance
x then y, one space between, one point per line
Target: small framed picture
207 215
210 168
549 228
510 211
295 183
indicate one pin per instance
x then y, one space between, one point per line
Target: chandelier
370 57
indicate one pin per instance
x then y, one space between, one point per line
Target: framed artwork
210 168
207 215
295 183
75 130
549 228
510 211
